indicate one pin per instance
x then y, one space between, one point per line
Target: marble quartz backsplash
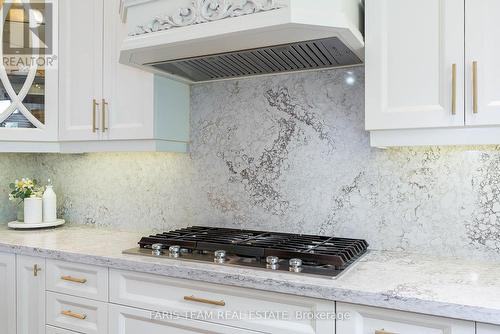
12 166
287 153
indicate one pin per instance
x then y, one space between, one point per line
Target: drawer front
370 320
242 308
77 279
126 320
77 314
55 330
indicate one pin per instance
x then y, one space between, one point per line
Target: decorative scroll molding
202 11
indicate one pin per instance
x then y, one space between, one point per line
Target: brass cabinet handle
475 109
68 313
383 332
74 280
454 89
94 115
36 269
104 104
205 301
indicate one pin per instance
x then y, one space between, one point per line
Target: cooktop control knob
295 265
156 249
220 256
272 262
174 251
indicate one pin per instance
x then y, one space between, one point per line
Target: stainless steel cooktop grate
317 54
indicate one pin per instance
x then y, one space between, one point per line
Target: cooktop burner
296 253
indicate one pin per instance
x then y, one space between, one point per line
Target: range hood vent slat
307 55
235 66
301 53
294 58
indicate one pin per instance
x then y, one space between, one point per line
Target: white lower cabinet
126 320
370 320
7 293
30 295
249 309
487 329
57 297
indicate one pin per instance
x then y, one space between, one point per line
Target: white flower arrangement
24 188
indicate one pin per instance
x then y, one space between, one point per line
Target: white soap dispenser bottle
49 204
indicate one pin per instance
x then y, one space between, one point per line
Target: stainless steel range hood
203 40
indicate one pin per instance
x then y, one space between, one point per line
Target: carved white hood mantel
201 40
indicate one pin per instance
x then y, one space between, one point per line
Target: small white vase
49 200
33 210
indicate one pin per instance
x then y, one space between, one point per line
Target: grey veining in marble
430 285
289 153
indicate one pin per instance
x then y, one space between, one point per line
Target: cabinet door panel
29 95
410 49
125 320
80 64
482 32
127 90
30 295
370 320
487 329
7 293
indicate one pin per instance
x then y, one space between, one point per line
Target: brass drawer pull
454 89
104 105
383 332
205 301
94 115
36 269
74 280
475 108
74 315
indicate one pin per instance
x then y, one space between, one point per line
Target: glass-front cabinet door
29 70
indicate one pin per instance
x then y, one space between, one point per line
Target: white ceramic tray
24 226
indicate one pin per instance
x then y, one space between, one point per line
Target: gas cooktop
295 253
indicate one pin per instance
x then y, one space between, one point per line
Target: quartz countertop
448 287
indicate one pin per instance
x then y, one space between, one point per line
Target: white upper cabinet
106 106
81 64
414 64
432 72
128 92
482 62
29 77
73 95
